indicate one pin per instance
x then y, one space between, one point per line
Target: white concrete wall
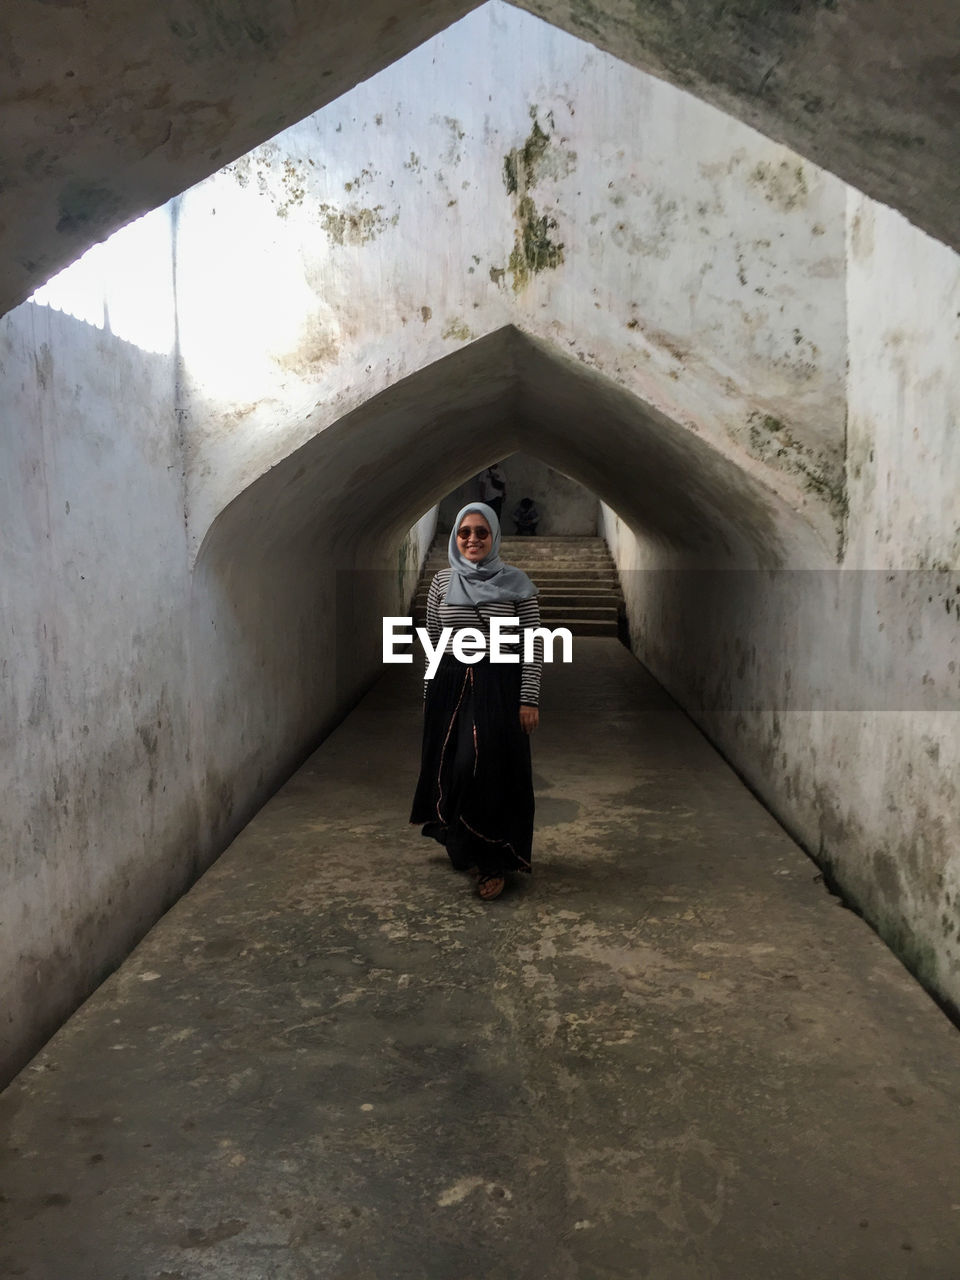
892 831
566 507
101 819
836 692
148 708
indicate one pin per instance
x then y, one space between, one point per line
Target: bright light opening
124 286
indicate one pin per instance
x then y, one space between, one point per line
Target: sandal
490 887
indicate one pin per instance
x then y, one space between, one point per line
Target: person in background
526 517
493 486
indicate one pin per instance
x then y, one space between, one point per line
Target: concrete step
533 550
569 584
561 613
555 600
576 577
576 627
557 613
599 623
602 568
548 546
552 609
536 565
529 555
566 581
586 627
525 548
565 599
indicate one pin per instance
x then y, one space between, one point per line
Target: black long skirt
475 792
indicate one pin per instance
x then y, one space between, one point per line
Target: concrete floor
670 1054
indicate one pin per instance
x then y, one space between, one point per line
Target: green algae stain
521 165
772 442
510 178
293 182
536 158
783 185
457 330
533 250
353 225
535 247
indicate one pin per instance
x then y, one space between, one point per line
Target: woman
475 793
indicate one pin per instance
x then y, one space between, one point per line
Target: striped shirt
441 615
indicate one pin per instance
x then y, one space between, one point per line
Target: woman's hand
529 718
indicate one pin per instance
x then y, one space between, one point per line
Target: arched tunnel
344 502
228 430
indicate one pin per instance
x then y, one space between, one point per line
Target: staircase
578 583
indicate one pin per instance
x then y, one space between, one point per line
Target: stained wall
835 691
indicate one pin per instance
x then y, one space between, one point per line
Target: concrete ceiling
110 109
391 459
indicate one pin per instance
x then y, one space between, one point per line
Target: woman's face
473 537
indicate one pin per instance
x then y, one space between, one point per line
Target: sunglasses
479 532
